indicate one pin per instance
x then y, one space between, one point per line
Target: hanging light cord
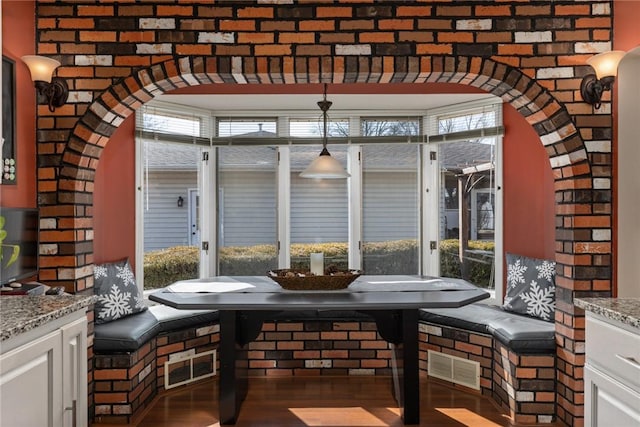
324 106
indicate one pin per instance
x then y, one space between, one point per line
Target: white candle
317 263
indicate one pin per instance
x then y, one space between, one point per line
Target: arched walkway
574 183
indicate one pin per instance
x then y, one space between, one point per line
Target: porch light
606 67
325 166
54 89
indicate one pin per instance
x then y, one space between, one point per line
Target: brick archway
567 153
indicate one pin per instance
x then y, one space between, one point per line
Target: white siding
248 208
319 211
165 224
390 206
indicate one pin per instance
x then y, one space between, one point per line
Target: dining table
245 302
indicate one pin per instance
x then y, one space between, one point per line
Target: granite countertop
20 313
624 310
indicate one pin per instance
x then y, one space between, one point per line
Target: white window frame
429 184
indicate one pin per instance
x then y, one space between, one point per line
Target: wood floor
326 401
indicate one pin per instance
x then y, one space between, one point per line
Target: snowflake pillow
531 287
117 292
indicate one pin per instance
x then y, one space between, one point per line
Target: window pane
462 122
172 123
390 209
255 127
390 127
171 235
467 209
319 211
310 128
247 210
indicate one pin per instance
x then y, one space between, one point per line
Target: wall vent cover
454 369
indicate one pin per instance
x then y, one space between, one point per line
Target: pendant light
324 166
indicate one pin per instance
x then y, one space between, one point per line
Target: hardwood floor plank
323 401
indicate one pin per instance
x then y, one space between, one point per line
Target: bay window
423 196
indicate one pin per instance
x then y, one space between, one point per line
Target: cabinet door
608 402
74 373
30 384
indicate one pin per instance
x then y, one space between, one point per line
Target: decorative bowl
303 280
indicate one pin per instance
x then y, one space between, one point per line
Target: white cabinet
43 381
612 374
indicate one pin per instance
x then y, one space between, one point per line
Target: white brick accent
601 235
474 24
601 183
601 9
524 396
592 47
598 146
146 371
153 49
76 96
577 156
533 36
430 329
207 330
157 23
105 60
48 223
353 49
550 138
216 38
318 363
555 73
236 69
48 249
560 161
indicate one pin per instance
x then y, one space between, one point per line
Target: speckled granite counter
624 310
19 314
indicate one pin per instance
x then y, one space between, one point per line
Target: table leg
410 386
400 329
233 364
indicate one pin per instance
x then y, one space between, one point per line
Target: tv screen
19 244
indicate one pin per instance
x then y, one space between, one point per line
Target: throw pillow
531 286
117 291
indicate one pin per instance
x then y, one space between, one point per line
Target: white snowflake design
139 302
126 275
515 274
115 304
546 270
540 302
99 271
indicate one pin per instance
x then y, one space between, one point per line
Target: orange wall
529 200
18 39
114 198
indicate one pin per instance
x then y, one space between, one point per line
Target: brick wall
118 55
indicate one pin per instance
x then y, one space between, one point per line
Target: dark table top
366 293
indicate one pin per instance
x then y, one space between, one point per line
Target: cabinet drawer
614 350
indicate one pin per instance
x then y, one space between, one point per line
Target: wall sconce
606 67
180 201
54 89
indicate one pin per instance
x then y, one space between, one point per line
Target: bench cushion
523 334
172 319
126 334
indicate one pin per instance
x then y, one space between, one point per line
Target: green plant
15 248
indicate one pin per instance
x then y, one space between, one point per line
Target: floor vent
188 366
454 369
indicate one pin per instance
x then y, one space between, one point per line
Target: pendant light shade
325 166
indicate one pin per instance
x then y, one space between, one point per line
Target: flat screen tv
19 243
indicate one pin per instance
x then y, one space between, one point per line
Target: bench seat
522 334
